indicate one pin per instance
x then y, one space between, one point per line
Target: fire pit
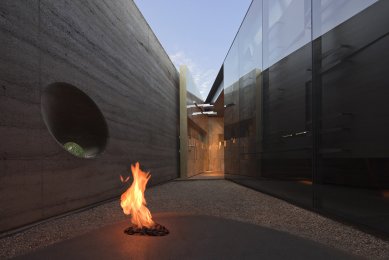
156 230
133 203
191 237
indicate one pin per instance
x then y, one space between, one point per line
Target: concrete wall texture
107 50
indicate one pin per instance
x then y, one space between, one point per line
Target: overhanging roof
215 86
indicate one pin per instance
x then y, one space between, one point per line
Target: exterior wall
193 129
198 154
205 145
216 144
107 50
306 112
200 135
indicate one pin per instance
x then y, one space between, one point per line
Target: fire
133 201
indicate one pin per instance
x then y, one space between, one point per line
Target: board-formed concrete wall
107 50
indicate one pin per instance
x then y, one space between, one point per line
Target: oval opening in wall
74 120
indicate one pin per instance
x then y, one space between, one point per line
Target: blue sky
197 33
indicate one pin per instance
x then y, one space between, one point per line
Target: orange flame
133 200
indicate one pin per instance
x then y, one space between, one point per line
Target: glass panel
354 166
274 103
287 145
193 91
327 14
250 64
250 40
286 27
231 112
324 100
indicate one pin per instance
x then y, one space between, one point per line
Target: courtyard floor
216 198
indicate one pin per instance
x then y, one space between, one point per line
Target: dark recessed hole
74 120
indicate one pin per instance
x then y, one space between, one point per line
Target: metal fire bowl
191 237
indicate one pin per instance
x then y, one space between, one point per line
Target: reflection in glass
327 14
250 40
308 121
286 27
231 112
354 166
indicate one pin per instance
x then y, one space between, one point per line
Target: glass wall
250 66
327 14
306 111
286 28
242 72
352 82
231 112
287 146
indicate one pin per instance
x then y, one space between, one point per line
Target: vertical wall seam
39 93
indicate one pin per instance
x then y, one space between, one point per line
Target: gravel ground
219 198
